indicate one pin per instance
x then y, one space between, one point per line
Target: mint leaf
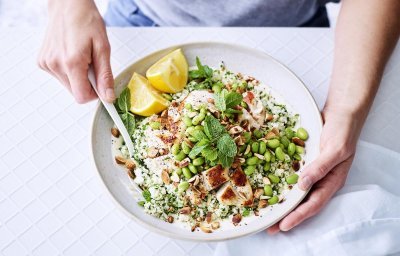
123 104
233 99
124 101
233 111
198 148
212 128
226 145
198 135
225 160
211 154
146 195
203 71
219 99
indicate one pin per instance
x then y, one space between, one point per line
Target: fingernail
110 94
284 229
305 183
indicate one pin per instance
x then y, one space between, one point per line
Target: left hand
327 174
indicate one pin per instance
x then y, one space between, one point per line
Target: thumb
102 70
319 168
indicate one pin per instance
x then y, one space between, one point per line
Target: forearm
366 33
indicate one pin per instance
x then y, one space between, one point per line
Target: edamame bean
188 106
183 186
192 168
192 139
273 200
187 121
258 134
155 125
242 148
268 190
292 179
189 130
285 141
297 157
302 133
267 166
289 133
216 88
197 119
198 161
167 96
273 178
255 146
274 143
267 156
262 148
186 148
252 160
249 170
247 136
273 158
291 148
178 171
199 128
175 149
279 154
186 172
299 150
180 156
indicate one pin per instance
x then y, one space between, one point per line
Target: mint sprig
226 101
123 104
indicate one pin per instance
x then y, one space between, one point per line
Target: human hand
327 174
75 38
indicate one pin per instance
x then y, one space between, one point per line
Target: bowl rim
153 228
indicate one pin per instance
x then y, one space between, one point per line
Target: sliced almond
170 219
120 160
259 192
236 219
130 165
247 150
235 130
210 100
193 228
266 181
259 156
185 210
275 130
298 141
262 203
270 135
209 217
205 229
185 162
269 117
115 132
215 225
152 152
165 177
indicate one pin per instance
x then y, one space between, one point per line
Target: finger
323 191
54 68
80 85
102 69
318 169
274 229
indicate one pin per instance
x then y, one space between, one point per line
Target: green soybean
198 161
242 148
216 88
258 134
267 166
273 158
186 172
285 141
279 154
299 150
192 139
262 148
273 178
197 119
255 146
249 170
183 186
302 133
267 156
178 171
188 106
192 168
273 200
247 136
187 121
289 133
291 148
199 128
268 190
175 149
186 148
155 125
297 157
252 160
180 156
292 179
274 143
189 130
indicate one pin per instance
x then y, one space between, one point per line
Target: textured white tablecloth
50 201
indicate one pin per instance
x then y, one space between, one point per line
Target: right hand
76 38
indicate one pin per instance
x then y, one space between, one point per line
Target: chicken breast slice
215 177
237 191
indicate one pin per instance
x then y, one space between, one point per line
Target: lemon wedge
170 73
145 100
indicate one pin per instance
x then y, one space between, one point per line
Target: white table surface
51 201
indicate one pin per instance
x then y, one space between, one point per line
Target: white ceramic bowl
238 59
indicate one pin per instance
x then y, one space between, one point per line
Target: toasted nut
247 150
194 180
298 141
185 210
256 213
215 225
163 151
174 104
152 152
275 130
170 219
296 165
242 160
165 177
259 156
205 229
209 217
269 117
270 135
130 165
239 140
115 132
210 100
164 113
259 192
120 160
262 203
281 199
235 130
185 162
131 174
194 227
266 181
236 219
